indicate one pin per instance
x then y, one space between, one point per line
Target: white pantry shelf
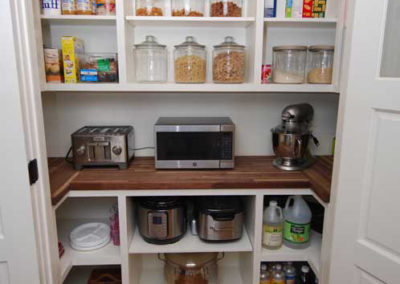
107 255
189 243
190 21
301 20
78 19
226 275
312 254
195 88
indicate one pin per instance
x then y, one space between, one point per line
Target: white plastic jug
273 226
297 227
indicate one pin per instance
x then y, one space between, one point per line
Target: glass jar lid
229 43
321 48
191 260
150 42
290 47
190 41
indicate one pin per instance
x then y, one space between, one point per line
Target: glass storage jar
226 8
190 62
228 62
85 7
68 7
289 63
150 61
188 268
188 8
320 64
150 7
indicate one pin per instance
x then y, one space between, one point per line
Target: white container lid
90 236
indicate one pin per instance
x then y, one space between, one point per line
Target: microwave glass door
194 145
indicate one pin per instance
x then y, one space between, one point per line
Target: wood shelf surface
251 172
189 243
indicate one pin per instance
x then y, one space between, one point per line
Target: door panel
383 210
366 186
366 278
4 274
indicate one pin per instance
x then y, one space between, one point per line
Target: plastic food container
320 64
188 8
289 64
190 62
68 7
229 62
105 7
99 67
150 61
226 8
191 267
150 7
85 7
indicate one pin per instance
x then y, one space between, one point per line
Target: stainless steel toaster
103 146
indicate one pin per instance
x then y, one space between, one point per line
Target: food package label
53 65
72 48
89 75
296 233
294 8
319 9
308 8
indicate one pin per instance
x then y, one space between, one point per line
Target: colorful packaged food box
266 73
102 67
308 8
294 8
105 7
72 51
319 9
53 65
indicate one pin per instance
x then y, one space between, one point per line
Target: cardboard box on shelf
319 9
72 50
308 8
53 65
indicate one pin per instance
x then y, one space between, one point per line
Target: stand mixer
290 139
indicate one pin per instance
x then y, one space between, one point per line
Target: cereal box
53 65
72 50
319 9
308 8
294 8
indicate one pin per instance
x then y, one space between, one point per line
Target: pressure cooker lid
191 260
220 204
161 202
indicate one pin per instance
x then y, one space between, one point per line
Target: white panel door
18 255
366 231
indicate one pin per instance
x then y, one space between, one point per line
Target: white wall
253 113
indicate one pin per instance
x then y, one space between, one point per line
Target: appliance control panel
158 224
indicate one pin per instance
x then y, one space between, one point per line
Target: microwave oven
194 143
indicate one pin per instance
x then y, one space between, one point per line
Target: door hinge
33 171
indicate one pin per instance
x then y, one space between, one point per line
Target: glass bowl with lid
229 62
320 64
150 59
288 64
190 62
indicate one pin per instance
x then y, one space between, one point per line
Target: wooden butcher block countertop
251 172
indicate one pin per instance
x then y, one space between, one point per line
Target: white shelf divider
189 243
312 254
78 19
196 88
190 21
107 255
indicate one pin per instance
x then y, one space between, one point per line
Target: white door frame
30 59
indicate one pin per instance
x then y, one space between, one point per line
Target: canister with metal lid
289 63
320 64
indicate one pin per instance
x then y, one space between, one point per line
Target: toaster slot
92 152
100 151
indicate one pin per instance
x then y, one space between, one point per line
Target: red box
308 8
